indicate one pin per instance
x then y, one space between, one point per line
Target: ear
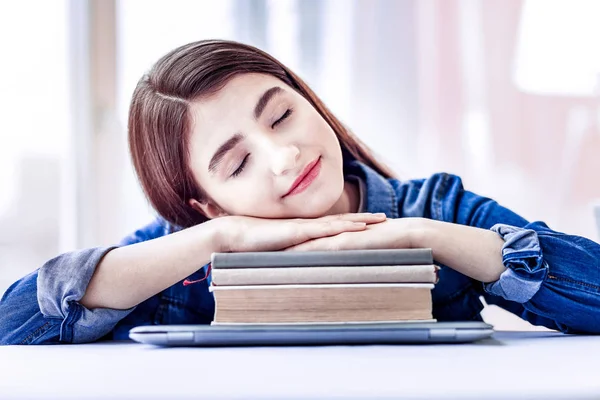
208 209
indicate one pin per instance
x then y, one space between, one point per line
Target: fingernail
380 215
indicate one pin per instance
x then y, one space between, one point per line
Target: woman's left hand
474 252
395 233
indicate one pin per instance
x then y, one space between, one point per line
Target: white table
511 365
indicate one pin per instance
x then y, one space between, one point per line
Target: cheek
244 198
316 129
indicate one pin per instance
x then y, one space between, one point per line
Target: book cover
321 258
325 274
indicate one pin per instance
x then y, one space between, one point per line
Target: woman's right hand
238 233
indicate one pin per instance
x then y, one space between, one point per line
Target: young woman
236 153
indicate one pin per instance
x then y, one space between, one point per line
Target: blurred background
504 93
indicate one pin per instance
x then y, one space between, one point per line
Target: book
282 259
345 303
325 274
350 286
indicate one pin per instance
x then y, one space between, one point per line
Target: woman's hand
389 234
474 252
237 233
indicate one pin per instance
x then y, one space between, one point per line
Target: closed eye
285 115
241 167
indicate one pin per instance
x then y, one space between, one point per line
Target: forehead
239 93
222 114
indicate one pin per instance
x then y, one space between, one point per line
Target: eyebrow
238 137
264 100
222 150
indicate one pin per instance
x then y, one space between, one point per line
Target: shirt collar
380 196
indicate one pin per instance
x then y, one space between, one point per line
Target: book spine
316 325
335 286
323 303
325 275
319 258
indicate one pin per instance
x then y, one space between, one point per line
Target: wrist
421 233
216 233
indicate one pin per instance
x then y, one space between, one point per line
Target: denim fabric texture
552 279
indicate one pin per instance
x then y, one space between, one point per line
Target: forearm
471 251
128 275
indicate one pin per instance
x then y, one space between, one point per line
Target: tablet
311 334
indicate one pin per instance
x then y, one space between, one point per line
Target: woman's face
250 144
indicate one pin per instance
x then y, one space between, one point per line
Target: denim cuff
525 266
61 283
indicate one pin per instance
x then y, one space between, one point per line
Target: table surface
510 365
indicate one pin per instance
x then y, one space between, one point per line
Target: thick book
325 274
322 303
322 258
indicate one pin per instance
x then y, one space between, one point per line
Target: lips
306 177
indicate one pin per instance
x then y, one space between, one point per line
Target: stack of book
323 286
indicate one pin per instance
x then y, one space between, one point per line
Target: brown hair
159 123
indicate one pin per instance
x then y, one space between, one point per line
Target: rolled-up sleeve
43 307
524 262
61 283
551 278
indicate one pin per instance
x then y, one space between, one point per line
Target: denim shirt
551 278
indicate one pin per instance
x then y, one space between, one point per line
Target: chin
323 202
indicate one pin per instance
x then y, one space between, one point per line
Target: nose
284 158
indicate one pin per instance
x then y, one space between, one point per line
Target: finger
356 217
312 245
342 241
319 229
330 243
